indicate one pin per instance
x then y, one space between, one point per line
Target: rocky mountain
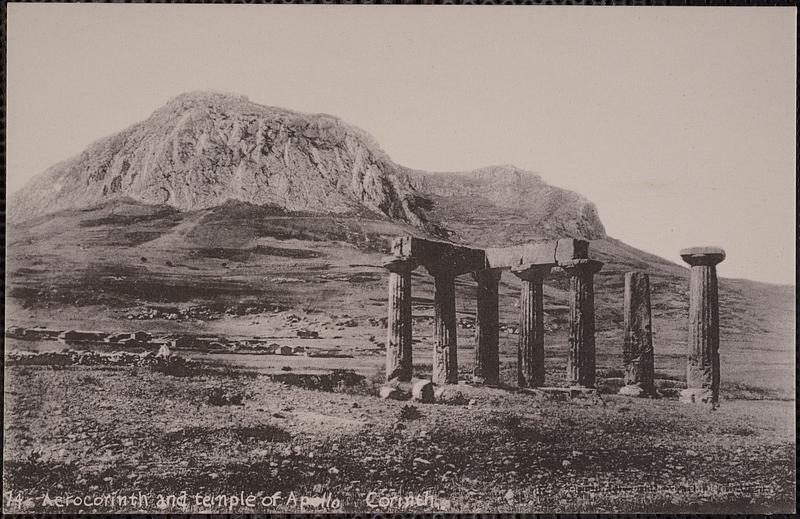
203 149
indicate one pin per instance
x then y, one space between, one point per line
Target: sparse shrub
611 373
609 386
89 380
339 380
507 420
33 456
173 366
409 412
740 431
263 432
220 396
662 375
378 377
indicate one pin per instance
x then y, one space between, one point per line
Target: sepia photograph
399 259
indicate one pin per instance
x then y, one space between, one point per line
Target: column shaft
703 355
398 341
445 362
487 328
702 367
581 353
637 350
530 353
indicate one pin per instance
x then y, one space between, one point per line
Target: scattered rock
696 395
423 391
449 395
391 393
634 391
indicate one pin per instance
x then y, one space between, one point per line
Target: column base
698 395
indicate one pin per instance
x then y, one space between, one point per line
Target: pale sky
679 123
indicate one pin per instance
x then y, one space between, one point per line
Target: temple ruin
532 263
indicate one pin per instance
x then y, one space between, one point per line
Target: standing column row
531 373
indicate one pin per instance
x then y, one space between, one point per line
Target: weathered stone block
631 391
449 395
391 393
423 391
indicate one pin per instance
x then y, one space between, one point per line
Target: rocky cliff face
203 149
504 204
200 150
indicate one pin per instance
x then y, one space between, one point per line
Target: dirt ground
230 437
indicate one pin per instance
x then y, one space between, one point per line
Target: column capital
703 255
581 266
532 272
399 264
488 274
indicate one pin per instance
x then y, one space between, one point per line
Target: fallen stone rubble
163 358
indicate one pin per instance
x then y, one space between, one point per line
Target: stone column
530 351
399 326
637 348
702 370
445 361
581 354
487 328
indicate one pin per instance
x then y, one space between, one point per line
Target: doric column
487 327
702 371
445 361
398 340
530 351
581 354
637 348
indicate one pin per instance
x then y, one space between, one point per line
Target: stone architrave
581 353
637 349
445 360
530 351
399 326
702 370
487 327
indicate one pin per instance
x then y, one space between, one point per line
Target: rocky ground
236 435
